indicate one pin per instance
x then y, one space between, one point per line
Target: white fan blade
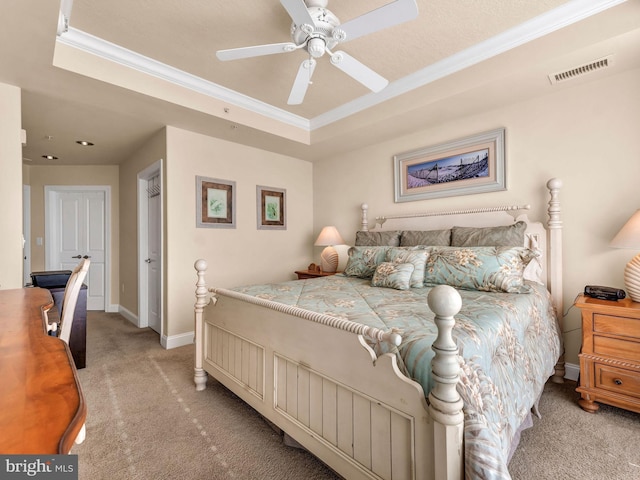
358 71
302 81
298 12
386 16
256 51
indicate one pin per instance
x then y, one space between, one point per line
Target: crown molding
537 27
565 15
88 43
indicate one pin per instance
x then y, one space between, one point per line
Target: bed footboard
320 382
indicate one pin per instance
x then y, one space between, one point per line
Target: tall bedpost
364 225
445 404
200 376
555 264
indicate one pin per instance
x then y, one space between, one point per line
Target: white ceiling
125 68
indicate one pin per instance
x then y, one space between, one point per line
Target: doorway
150 248
77 225
26 234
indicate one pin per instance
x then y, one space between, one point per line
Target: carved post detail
445 404
554 225
364 225
202 294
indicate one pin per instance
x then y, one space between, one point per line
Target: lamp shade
629 237
629 234
329 236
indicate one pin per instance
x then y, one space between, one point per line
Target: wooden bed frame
317 379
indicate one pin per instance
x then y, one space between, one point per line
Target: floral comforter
508 343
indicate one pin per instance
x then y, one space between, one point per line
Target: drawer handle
617 381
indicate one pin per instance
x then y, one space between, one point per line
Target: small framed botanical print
215 203
271 208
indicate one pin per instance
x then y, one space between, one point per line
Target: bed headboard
545 237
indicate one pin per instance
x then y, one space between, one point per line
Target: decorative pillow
507 236
363 261
417 258
372 239
393 275
488 269
411 238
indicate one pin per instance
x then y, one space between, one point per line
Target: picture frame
215 203
471 165
271 208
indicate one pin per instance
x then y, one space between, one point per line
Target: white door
153 259
76 227
150 248
26 233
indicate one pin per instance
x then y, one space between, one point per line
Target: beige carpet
146 421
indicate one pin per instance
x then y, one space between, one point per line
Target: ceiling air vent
581 70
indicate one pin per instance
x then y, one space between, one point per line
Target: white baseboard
175 341
168 343
571 371
113 308
132 317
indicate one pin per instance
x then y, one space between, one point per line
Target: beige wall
41 176
586 135
155 149
10 188
235 256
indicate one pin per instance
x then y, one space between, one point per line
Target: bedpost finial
200 265
364 223
444 301
554 184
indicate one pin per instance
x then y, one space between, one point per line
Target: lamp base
329 260
632 278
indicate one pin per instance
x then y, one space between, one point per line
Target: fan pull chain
310 69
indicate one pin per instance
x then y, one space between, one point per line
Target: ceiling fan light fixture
317 30
316 47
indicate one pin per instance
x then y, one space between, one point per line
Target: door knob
77 256
87 256
148 260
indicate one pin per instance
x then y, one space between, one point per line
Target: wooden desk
42 408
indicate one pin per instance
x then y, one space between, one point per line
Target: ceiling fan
317 30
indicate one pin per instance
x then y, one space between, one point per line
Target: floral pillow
363 261
393 275
488 269
417 258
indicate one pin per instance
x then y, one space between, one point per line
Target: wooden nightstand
302 274
610 355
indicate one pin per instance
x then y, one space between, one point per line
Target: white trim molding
175 341
549 22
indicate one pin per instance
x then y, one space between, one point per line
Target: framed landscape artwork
471 165
271 208
215 203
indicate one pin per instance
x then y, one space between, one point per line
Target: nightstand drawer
617 380
615 347
627 327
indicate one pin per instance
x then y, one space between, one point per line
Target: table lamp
329 237
629 237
